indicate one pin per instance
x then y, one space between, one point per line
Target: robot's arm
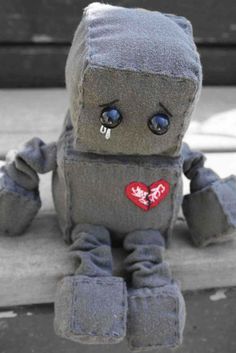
19 182
210 208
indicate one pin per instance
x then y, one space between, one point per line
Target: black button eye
159 124
110 117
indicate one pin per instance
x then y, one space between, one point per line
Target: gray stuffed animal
133 78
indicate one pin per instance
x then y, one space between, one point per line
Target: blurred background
35 37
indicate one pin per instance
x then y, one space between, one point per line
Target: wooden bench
34 40
31 265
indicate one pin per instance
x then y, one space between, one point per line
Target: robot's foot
91 310
156 317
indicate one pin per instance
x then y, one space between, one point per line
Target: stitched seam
68 192
150 296
74 297
148 73
185 113
226 216
86 64
177 162
174 311
117 164
174 214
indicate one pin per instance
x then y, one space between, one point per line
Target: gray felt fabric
211 212
202 178
114 35
156 309
91 310
92 249
145 259
193 168
111 59
156 317
140 96
210 208
19 195
33 157
90 188
192 161
18 206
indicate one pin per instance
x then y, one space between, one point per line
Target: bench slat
23 21
31 265
43 65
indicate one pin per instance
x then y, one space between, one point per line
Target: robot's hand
211 212
19 195
210 208
18 206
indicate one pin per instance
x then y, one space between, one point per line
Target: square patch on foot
99 307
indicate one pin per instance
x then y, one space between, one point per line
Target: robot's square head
134 75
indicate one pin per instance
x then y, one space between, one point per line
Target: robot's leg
91 306
156 308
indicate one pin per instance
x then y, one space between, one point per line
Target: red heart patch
147 197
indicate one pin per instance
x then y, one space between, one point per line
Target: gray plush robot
133 77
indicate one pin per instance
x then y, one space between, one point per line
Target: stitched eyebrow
109 103
163 107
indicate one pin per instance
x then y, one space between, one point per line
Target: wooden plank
44 65
218 65
28 113
32 66
25 113
31 265
56 20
